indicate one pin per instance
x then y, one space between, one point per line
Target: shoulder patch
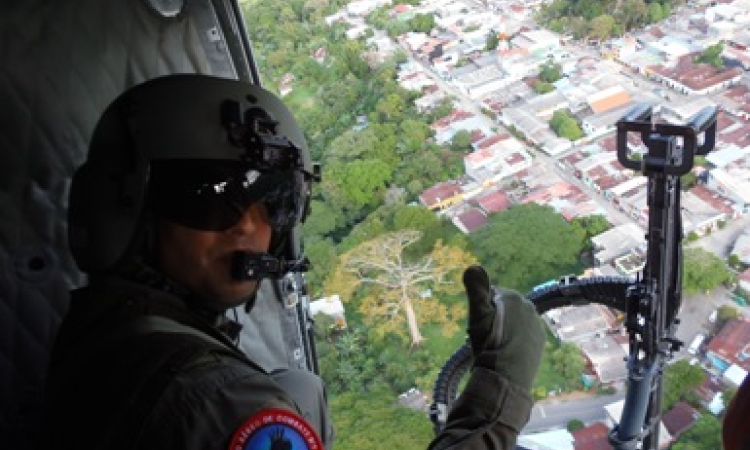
275 429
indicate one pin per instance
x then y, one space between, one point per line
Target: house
578 324
698 216
496 159
616 242
679 419
731 346
734 376
614 413
539 43
442 195
709 394
285 84
606 358
728 184
592 437
493 202
458 120
693 78
470 220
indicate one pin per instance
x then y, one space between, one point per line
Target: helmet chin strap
256 266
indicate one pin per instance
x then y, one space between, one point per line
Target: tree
549 72
704 434
526 245
492 41
565 126
575 425
400 284
703 271
680 379
568 362
712 56
724 314
655 12
461 141
361 181
602 27
422 23
541 87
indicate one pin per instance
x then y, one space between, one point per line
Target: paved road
552 414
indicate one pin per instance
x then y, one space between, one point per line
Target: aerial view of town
512 106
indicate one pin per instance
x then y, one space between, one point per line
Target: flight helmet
194 149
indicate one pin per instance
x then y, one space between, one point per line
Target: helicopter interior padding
61 63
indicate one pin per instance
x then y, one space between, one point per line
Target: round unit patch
275 429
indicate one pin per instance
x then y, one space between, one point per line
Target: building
731 346
614 413
592 437
470 220
679 419
616 242
577 324
606 358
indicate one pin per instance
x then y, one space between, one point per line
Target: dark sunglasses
213 195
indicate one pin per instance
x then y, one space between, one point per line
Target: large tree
704 271
680 379
399 290
526 245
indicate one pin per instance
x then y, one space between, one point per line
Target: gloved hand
506 333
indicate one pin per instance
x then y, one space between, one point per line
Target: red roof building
592 437
731 345
679 419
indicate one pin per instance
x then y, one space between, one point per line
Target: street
552 414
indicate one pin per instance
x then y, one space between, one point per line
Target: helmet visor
213 195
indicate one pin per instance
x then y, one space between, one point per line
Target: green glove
505 331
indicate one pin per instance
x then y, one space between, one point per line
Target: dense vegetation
599 19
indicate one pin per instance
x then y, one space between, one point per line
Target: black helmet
195 149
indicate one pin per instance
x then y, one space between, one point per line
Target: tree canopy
680 379
703 271
712 55
404 291
526 245
565 126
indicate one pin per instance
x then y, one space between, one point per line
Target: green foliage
680 379
712 56
601 19
526 245
591 226
374 422
550 72
461 141
655 12
704 434
565 126
724 314
355 360
492 41
570 363
575 425
703 271
735 262
423 23
688 181
541 87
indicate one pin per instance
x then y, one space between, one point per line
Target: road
552 414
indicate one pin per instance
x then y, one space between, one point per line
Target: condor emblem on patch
275 429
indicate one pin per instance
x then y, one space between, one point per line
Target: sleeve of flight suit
205 406
488 415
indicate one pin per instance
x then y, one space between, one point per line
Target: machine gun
652 300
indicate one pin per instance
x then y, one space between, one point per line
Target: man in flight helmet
186 201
